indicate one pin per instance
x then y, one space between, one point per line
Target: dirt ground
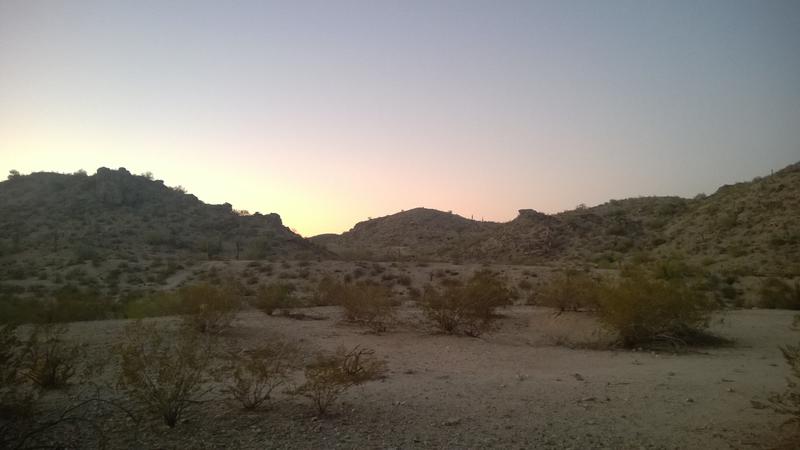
513 388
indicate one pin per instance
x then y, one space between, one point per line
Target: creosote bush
165 372
274 297
255 373
470 308
571 291
329 376
645 310
780 294
366 303
208 308
15 403
46 360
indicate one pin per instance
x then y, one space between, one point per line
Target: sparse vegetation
327 377
255 373
788 402
46 359
570 291
165 373
207 308
776 293
275 297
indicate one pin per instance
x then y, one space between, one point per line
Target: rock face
749 227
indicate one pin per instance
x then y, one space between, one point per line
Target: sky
332 112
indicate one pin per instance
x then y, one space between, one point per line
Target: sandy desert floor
513 388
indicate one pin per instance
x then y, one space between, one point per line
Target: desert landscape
540 361
446 224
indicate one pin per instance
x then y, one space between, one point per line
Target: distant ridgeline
51 220
747 228
114 231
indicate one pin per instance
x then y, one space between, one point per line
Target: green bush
274 297
572 291
779 294
208 308
255 373
367 303
470 308
327 377
165 373
645 310
153 305
46 360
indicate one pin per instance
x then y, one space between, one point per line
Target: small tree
46 360
256 373
208 308
166 374
468 309
330 376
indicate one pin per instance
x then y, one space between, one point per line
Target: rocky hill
113 225
751 227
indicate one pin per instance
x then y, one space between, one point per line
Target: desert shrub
328 292
20 310
645 310
468 308
208 308
366 303
157 304
571 291
14 402
329 376
274 296
165 373
780 294
788 402
255 373
404 280
73 304
46 360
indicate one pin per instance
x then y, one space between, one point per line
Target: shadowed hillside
750 228
117 228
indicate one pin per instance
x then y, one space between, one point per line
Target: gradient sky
330 112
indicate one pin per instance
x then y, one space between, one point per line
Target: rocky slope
750 227
52 225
